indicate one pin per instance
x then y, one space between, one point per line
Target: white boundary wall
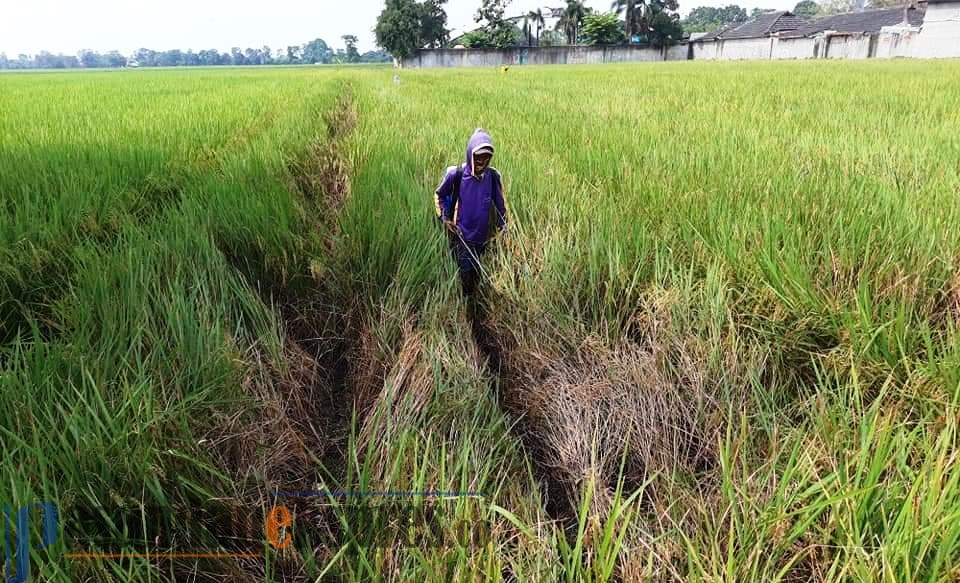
938 37
794 48
566 55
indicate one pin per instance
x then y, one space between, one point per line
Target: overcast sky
29 26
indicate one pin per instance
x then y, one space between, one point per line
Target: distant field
718 342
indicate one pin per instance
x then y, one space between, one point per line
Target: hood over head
479 141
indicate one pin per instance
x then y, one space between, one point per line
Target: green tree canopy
352 56
709 18
572 19
316 51
806 9
550 38
406 25
398 28
433 23
653 21
828 7
603 29
497 32
537 20
663 27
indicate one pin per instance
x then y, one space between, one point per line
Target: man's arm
500 201
444 195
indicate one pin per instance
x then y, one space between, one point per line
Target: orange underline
162 555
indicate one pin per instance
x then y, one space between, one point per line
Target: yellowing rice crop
718 341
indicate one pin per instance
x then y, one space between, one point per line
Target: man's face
480 162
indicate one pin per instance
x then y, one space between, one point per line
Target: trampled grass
725 314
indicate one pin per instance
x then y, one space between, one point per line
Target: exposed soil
296 437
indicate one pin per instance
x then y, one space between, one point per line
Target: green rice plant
759 257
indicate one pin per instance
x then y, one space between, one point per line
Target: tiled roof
855 22
761 26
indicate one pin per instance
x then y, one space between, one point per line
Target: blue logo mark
50 534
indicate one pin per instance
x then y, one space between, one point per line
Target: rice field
718 341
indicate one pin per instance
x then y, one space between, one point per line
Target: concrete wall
748 48
572 55
755 48
705 51
680 52
853 46
794 48
896 41
939 36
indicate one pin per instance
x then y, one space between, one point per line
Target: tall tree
572 19
732 13
828 7
88 59
807 8
663 23
375 57
115 60
633 10
317 51
398 28
293 54
602 29
209 57
536 17
708 18
406 25
433 24
654 21
500 32
351 56
145 57
25 62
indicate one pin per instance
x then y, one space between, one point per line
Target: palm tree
633 14
536 17
572 19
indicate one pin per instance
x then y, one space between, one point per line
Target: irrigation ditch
562 406
307 408
301 422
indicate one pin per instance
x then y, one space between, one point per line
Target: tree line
404 26
314 52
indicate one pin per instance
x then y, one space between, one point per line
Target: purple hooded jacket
478 194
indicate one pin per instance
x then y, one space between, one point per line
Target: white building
922 29
938 36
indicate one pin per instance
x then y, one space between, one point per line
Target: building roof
868 21
760 26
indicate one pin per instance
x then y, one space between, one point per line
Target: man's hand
451 226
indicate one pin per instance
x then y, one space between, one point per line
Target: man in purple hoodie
470 202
